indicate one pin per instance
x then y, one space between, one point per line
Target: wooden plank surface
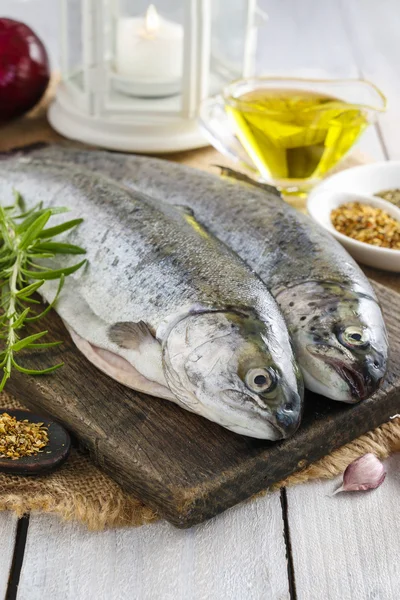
8 528
346 546
240 555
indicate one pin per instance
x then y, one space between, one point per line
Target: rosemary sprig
24 239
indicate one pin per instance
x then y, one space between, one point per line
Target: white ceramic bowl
352 185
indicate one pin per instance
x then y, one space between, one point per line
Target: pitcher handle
218 129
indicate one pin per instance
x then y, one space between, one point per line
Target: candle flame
152 20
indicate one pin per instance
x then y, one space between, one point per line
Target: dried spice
367 224
392 196
21 438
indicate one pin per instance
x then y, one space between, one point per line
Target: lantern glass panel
135 72
72 54
144 56
232 33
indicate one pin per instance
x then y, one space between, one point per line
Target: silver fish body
331 310
163 306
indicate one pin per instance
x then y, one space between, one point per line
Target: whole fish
331 310
164 307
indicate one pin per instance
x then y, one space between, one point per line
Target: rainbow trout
163 306
331 310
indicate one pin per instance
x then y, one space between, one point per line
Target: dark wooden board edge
190 506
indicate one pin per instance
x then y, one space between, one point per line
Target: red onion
24 69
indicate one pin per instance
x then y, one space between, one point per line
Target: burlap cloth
79 491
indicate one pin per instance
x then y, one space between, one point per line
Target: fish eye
354 337
260 380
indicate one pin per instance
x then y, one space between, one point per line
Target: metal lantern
133 74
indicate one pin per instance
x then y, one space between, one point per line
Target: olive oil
294 134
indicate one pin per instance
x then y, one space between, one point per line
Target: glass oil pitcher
287 131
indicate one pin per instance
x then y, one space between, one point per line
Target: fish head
339 337
219 364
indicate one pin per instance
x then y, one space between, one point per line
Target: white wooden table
300 544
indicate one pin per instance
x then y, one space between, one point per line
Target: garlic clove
364 473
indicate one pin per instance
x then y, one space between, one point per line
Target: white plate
351 185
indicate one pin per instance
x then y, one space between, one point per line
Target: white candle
150 48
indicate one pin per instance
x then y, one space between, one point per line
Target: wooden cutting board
182 465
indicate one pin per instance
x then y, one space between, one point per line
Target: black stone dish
53 455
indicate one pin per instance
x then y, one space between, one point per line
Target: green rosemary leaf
19 321
43 346
32 264
41 256
58 210
28 340
35 209
31 216
54 274
34 230
19 200
53 231
23 241
52 303
4 230
58 248
34 371
3 382
6 260
28 300
29 289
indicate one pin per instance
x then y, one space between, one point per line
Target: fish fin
129 335
231 173
120 369
186 210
